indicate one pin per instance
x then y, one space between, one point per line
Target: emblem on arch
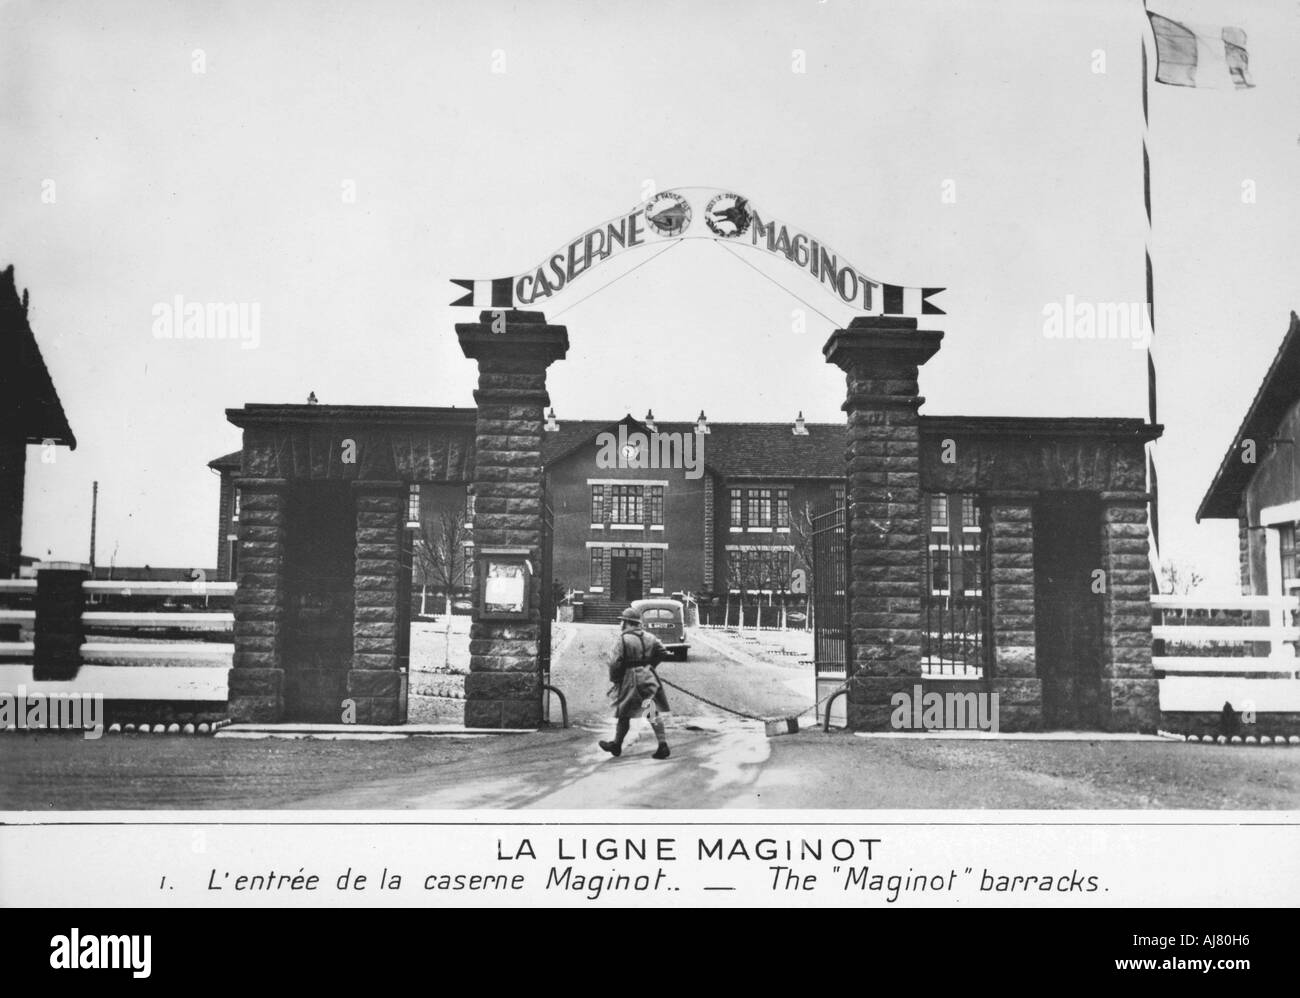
727 216
668 213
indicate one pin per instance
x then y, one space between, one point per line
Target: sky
207 150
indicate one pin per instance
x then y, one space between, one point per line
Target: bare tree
1179 579
440 557
801 534
802 525
751 574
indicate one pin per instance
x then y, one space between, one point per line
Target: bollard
59 631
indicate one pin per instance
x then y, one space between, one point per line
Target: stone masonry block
483 713
374 683
253 682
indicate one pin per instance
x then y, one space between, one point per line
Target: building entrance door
1067 613
319 557
624 575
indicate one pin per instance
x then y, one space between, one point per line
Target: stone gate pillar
257 674
1010 587
881 357
377 679
513 350
1130 690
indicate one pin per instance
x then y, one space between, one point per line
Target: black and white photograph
792 453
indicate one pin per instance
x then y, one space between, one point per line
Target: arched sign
698 213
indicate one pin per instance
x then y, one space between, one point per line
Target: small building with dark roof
1258 480
227 469
30 413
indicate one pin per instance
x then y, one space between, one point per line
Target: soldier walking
636 689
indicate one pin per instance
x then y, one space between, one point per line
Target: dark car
663 618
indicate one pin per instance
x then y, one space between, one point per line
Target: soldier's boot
662 751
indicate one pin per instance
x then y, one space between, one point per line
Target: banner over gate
699 213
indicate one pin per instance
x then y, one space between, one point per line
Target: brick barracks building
973 545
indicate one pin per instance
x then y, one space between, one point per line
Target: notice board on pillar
504 583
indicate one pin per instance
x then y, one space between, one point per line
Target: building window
656 568
467 564
939 511
838 492
782 509
413 506
760 508
1290 564
597 568
598 504
234 559
736 515
954 608
469 510
234 507
940 579
627 502
655 505
736 575
759 569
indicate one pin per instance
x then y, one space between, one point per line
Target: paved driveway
718 761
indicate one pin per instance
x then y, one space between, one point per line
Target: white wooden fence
1204 681
127 664
16 654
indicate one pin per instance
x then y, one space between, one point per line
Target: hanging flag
1196 56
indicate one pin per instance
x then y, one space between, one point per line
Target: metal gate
832 637
954 602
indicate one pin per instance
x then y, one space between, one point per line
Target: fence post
59 629
1279 616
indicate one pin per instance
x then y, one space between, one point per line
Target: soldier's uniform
637 690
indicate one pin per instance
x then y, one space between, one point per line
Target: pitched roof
1026 427
1279 390
24 379
232 460
733 450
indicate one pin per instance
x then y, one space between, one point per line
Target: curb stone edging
207 728
1257 740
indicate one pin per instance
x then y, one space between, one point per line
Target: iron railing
832 641
954 600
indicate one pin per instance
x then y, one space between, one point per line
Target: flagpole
1153 483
